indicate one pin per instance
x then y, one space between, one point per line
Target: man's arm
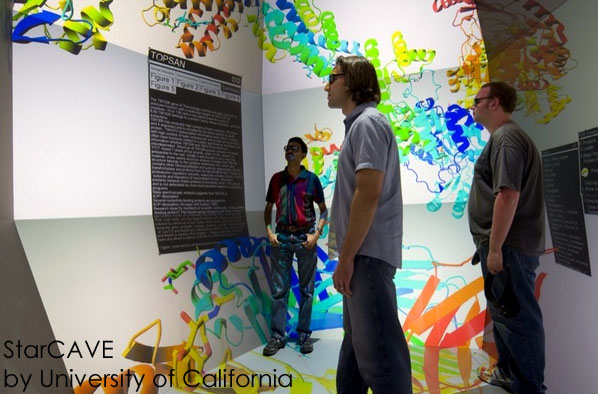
312 239
505 206
323 218
268 223
363 208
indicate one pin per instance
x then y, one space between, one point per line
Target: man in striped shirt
294 192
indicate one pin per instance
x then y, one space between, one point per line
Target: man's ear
496 102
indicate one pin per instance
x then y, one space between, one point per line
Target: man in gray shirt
506 220
366 226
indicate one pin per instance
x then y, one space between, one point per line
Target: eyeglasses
477 100
292 148
332 77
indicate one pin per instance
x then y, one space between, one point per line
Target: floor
315 373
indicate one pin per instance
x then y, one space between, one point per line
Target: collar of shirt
356 112
287 177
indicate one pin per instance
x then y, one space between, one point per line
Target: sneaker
495 377
305 344
273 345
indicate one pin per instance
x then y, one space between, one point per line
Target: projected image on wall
83 205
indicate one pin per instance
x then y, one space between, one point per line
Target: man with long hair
366 227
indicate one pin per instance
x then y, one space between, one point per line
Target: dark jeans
520 339
374 351
282 264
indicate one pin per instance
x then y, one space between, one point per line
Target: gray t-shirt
510 159
369 143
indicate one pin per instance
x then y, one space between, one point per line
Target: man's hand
342 275
312 240
505 206
273 239
495 262
267 221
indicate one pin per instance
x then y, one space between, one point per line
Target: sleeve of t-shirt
318 190
370 145
272 193
507 167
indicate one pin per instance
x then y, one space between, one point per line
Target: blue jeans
291 243
374 351
520 339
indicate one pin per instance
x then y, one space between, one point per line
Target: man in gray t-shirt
511 161
506 220
367 227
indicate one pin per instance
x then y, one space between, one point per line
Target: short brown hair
505 93
360 78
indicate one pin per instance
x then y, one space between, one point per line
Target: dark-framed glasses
333 77
477 100
292 148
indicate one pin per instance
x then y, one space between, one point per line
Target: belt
292 229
